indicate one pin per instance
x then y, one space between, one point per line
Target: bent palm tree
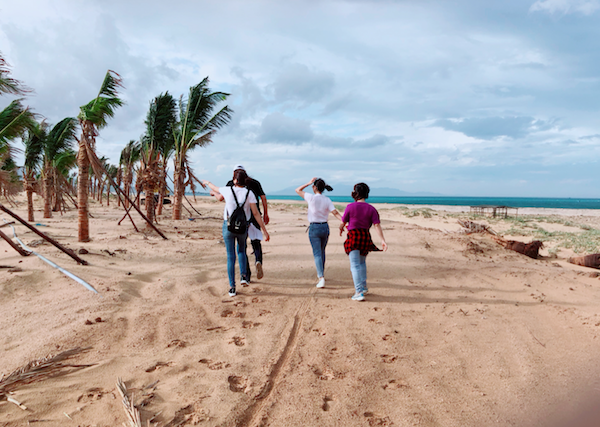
59 141
160 121
34 149
14 120
195 128
130 155
92 117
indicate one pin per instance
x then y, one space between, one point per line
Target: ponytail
321 186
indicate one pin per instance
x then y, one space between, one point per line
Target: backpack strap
237 205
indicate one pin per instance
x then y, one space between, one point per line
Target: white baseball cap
239 167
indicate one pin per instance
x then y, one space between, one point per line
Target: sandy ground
456 330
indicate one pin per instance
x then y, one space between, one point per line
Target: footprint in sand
231 313
239 341
237 384
246 324
159 365
395 385
177 344
214 366
388 358
374 420
91 395
326 401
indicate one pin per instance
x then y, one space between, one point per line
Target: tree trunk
30 202
47 194
83 163
163 188
119 182
179 188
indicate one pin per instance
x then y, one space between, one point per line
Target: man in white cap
254 232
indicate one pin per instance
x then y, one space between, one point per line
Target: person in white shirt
319 207
246 198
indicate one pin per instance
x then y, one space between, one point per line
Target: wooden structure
492 210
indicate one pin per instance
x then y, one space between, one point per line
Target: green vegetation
585 241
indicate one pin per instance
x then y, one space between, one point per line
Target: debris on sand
531 249
473 227
592 261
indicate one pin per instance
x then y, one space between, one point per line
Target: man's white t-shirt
319 207
240 193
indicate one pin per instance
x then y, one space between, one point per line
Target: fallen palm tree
471 227
592 261
531 249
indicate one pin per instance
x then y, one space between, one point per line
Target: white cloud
586 7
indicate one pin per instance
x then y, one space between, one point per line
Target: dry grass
39 370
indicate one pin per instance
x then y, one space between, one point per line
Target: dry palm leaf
133 414
38 370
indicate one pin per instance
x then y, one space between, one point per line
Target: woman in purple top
359 216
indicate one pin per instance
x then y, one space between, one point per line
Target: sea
514 202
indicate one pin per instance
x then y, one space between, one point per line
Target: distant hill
346 190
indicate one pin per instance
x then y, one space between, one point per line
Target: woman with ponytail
319 207
360 216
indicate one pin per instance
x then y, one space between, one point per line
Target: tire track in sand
250 415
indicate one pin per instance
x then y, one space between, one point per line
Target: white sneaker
358 297
232 291
259 271
244 282
321 283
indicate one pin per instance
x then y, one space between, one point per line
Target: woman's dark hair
321 186
361 191
240 177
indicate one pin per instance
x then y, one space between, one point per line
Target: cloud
374 141
493 127
279 128
298 84
586 7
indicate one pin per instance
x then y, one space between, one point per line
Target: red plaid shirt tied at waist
360 238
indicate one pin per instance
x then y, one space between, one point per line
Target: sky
466 97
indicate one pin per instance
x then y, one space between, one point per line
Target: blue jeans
318 234
230 239
358 267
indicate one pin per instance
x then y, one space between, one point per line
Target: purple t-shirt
360 215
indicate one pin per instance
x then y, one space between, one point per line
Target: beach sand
456 330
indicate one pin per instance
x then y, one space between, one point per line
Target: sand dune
456 330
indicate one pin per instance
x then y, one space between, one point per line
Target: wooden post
16 247
43 236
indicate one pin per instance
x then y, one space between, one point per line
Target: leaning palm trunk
127 188
119 182
47 194
83 163
163 188
178 190
28 183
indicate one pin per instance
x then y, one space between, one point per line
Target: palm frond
40 369
160 121
65 161
104 105
60 138
14 120
197 123
7 84
34 141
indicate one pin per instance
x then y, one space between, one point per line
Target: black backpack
237 222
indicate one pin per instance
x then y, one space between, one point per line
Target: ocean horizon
514 202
